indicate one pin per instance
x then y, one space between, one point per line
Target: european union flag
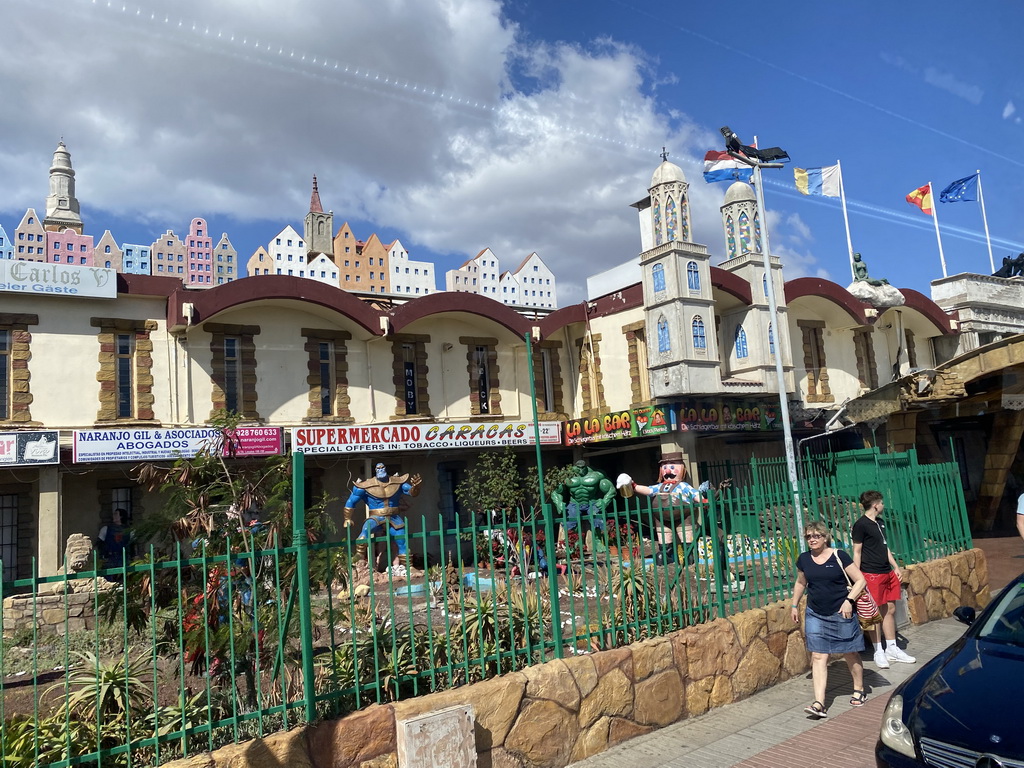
961 189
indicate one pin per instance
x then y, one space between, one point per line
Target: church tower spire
62 211
318 229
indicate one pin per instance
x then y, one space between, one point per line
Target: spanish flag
922 198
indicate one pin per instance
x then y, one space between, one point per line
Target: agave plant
107 692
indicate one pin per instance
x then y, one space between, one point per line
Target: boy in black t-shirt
872 555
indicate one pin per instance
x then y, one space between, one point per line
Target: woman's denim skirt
832 634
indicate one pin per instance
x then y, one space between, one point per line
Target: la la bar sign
37 277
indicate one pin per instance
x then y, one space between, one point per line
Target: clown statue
383 497
670 493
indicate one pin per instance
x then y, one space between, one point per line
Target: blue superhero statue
382 495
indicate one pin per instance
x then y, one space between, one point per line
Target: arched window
741 343
658 239
771 340
757 232
730 237
684 217
764 284
670 219
664 340
658 277
693 276
700 340
744 233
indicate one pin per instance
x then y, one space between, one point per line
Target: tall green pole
549 528
300 540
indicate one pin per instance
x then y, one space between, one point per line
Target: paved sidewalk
771 729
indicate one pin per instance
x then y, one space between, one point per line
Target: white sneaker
894 653
880 660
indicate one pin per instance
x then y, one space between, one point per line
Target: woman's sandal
817 709
858 699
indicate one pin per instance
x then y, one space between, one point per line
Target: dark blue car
965 708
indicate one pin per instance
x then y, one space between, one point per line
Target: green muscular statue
589 491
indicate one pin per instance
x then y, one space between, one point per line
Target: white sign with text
36 278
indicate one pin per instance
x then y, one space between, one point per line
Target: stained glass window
700 340
764 284
684 221
664 341
744 233
757 233
658 238
730 237
658 277
693 276
671 220
741 343
771 340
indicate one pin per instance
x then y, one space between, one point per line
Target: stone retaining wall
568 709
935 588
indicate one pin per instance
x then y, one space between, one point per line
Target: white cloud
1008 110
437 119
948 82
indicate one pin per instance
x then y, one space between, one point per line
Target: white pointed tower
751 336
679 306
62 211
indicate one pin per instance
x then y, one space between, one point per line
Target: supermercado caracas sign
21 449
154 444
420 437
35 278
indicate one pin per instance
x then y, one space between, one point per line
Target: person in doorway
114 540
1020 515
872 556
830 617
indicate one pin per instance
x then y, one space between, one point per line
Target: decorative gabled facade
530 285
69 247
225 261
107 253
169 254
6 246
30 243
408 277
136 259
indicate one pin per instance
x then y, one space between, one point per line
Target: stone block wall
935 588
48 612
569 709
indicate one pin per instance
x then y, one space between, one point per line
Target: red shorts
884 587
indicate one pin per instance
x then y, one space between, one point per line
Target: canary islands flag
817 181
922 198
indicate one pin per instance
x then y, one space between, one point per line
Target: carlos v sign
36 277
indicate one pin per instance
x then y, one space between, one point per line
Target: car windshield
1006 622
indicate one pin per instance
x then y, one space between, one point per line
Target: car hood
968 699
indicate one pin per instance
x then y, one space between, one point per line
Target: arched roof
928 308
730 283
826 289
448 301
209 302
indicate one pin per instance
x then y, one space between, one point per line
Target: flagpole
935 216
984 218
846 218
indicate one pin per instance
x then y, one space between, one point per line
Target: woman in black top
830 620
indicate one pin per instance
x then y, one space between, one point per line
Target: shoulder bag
867 611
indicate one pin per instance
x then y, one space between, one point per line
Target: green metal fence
191 650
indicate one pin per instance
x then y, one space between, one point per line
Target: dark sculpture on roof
860 272
1012 267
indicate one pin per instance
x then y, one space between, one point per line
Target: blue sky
519 126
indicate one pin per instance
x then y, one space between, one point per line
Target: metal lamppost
758 159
